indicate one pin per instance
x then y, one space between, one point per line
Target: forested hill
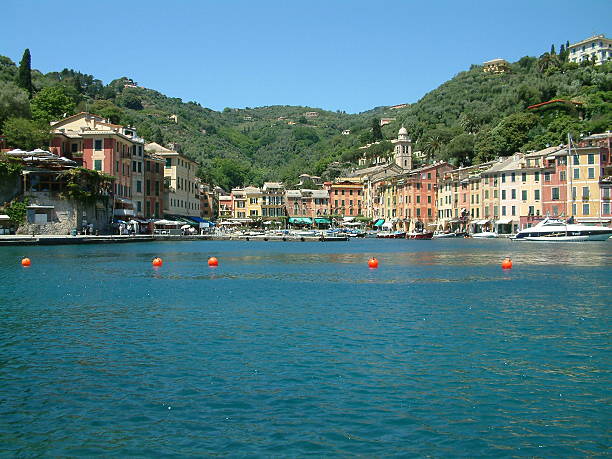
469 118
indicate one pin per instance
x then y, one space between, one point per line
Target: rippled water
295 349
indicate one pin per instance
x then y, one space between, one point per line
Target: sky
331 54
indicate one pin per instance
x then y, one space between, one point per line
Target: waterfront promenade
112 239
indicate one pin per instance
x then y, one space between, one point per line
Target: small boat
391 234
420 235
449 235
551 230
485 235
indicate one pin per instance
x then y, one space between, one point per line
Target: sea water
297 349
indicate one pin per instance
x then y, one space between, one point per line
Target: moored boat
485 235
420 235
449 235
551 230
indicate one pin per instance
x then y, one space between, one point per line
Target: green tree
14 102
26 134
24 76
51 104
130 100
106 109
376 131
431 147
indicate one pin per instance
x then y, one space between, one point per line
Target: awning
503 221
348 219
302 220
36 206
325 221
379 222
4 218
481 222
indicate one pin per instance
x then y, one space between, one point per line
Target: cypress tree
24 76
376 131
552 49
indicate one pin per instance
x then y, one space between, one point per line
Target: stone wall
65 216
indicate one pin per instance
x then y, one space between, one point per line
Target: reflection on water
291 349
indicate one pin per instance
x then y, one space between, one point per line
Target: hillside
471 117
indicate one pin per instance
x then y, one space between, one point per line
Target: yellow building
584 173
182 197
254 200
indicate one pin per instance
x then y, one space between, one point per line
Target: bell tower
403 150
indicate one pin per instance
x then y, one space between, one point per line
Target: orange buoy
25 262
373 263
157 262
212 261
507 263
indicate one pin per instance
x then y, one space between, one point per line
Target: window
576 159
591 172
139 166
147 208
148 166
74 147
98 144
503 194
503 210
168 162
555 193
524 195
429 176
591 158
98 165
429 199
547 176
605 193
513 193
138 206
585 192
495 194
605 208
138 186
503 177
585 209
524 176
486 194
513 210
536 176
537 195
156 167
514 177
531 210
576 173
133 166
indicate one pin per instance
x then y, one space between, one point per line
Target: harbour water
296 349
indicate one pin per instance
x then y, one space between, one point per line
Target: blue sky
333 54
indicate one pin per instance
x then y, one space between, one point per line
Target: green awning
379 222
325 221
301 220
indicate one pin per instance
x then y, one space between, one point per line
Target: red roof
552 102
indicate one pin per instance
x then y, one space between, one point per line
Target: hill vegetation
470 118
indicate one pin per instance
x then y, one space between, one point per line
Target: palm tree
431 147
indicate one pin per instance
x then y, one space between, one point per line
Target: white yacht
552 230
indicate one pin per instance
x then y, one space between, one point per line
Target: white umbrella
41 153
18 152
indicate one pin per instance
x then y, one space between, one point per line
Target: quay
111 239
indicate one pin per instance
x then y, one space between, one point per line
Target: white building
598 47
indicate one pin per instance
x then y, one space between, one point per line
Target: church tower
403 150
